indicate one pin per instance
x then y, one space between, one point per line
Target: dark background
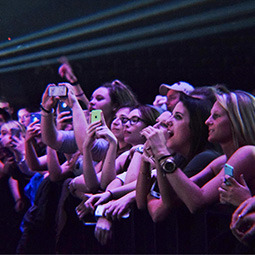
220 56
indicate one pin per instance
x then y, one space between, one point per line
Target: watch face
169 166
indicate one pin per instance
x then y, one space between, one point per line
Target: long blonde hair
240 106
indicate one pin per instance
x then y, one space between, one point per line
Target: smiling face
100 99
219 125
132 132
117 127
179 139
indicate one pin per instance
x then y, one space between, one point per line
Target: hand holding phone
228 169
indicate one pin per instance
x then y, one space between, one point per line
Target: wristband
163 157
74 83
45 110
111 195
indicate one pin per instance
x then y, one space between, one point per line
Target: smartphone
63 107
100 209
60 91
155 190
228 169
95 115
35 116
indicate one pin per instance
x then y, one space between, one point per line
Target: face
24 117
179 139
132 132
7 134
117 127
161 122
219 125
6 106
100 99
173 97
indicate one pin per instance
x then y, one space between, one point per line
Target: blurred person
170 94
24 116
6 105
4 117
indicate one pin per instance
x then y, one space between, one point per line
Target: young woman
185 138
137 119
109 98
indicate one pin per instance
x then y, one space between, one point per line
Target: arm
56 171
33 162
89 173
195 197
66 71
50 135
108 169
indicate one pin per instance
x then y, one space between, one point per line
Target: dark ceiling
143 43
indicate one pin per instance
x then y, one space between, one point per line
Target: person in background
24 116
5 104
170 95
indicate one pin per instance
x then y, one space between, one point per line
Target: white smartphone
100 209
60 91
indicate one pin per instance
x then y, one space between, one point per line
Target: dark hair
120 94
5 114
148 113
205 92
199 111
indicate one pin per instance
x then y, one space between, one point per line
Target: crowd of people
75 171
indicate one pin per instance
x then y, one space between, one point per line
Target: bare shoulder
246 151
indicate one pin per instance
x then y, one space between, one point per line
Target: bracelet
79 95
163 157
111 194
74 83
45 110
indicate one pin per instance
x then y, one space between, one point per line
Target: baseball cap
181 86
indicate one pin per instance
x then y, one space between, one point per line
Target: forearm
89 173
14 187
33 162
108 169
79 125
50 134
143 185
81 95
123 190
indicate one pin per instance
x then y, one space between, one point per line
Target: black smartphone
15 132
63 107
35 116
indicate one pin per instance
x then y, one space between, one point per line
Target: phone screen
35 116
95 115
228 171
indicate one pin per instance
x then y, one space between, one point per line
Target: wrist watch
168 165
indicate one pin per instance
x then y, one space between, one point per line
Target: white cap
181 86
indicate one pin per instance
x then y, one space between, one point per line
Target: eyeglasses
134 120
